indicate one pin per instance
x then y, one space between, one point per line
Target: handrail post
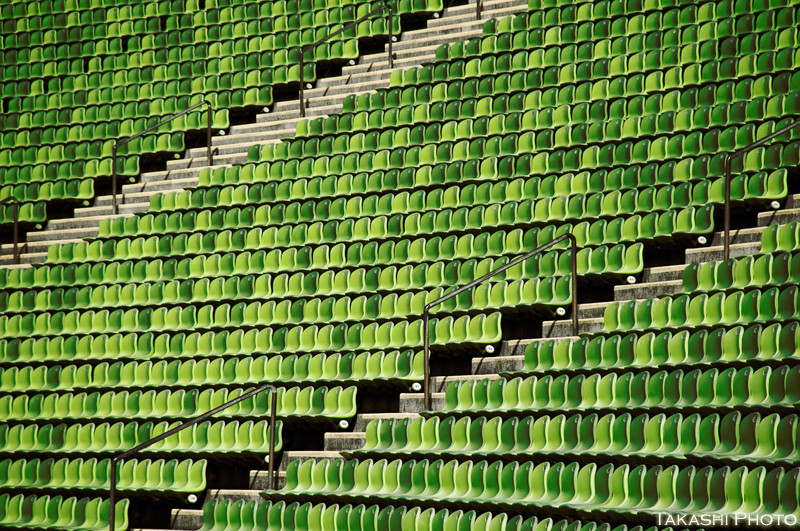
273 472
302 82
426 389
727 215
728 159
313 45
391 33
208 132
477 9
16 232
112 477
124 141
574 266
426 382
115 208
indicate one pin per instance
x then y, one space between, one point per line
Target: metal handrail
728 159
470 285
16 203
145 131
273 474
303 48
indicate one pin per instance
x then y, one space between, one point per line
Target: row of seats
218 437
659 149
356 255
361 280
41 512
74 189
776 238
479 329
404 212
626 80
545 130
308 402
524 113
746 387
740 273
745 185
703 309
405 215
641 489
335 237
363 367
133 475
31 156
95 120
129 10
548 291
715 436
233 183
239 515
80 60
616 259
718 345
565 103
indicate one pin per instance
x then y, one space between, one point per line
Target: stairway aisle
655 281
371 72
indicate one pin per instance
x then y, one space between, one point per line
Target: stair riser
198 163
564 328
708 255
339 444
384 65
744 236
770 218
497 365
245 496
188 520
646 291
416 403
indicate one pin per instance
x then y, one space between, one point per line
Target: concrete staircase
371 72
654 282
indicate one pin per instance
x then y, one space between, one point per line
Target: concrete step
662 273
378 64
59 234
108 210
189 519
496 364
245 495
415 402
32 247
308 455
440 383
280 130
647 290
716 252
778 216
201 162
362 419
25 260
748 235
793 201
563 328
288 110
259 480
343 441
